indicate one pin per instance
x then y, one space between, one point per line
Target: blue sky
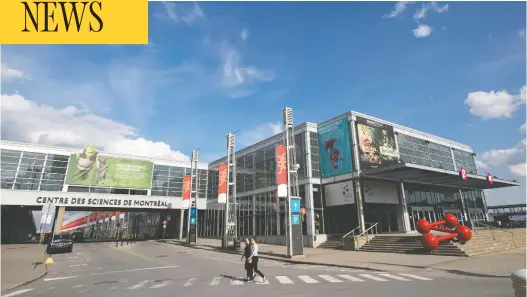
447 68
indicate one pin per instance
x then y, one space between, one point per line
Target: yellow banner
74 22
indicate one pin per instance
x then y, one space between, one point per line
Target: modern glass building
355 171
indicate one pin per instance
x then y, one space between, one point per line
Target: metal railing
482 226
372 230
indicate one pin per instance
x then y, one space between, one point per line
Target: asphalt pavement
158 270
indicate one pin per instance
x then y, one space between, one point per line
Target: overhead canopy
414 173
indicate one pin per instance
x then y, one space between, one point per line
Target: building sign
281 171
93 200
463 173
490 178
334 148
89 168
222 183
376 144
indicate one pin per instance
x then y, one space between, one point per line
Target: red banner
186 187
281 171
223 180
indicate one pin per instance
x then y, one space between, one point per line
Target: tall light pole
194 186
231 162
292 183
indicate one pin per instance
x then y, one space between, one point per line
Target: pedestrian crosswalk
271 280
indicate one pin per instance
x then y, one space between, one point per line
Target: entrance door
427 213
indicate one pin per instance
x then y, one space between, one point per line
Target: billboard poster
376 144
334 148
89 168
281 171
222 183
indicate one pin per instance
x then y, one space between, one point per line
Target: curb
27 282
277 258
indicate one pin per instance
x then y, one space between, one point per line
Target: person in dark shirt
246 254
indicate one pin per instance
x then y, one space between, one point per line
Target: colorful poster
281 171
90 168
334 148
376 144
222 183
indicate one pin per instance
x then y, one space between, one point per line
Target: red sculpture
431 242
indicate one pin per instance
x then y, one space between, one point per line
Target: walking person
253 259
247 254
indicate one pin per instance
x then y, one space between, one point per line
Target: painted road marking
394 277
263 283
109 272
161 284
373 277
351 278
330 279
284 279
190 282
15 293
415 276
215 281
308 279
78 286
72 257
138 285
236 282
79 265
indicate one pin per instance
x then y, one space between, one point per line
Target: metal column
292 179
230 218
194 186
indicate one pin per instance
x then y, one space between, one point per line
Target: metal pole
53 228
234 208
190 200
288 206
226 215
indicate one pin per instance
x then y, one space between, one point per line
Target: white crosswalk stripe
357 278
307 279
394 277
330 279
215 281
284 279
350 278
138 285
415 276
373 277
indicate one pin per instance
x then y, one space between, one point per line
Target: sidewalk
336 258
499 265
18 266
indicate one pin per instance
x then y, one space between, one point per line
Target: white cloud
183 12
258 133
495 105
420 14
438 8
513 158
399 8
422 31
235 73
8 74
245 34
522 33
25 120
518 169
523 129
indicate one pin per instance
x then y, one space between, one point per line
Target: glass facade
465 160
168 181
32 171
426 153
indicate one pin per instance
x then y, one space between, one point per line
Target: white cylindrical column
518 282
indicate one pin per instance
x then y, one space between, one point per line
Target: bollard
518 282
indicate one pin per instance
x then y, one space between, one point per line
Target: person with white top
253 259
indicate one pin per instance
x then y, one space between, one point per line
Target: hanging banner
121 215
334 148
376 144
281 171
222 183
186 191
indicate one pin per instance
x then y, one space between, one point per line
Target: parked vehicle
62 243
78 237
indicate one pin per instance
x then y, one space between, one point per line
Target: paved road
156 269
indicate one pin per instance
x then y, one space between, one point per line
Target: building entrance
383 214
431 214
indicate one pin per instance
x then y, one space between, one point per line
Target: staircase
334 242
408 245
483 241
